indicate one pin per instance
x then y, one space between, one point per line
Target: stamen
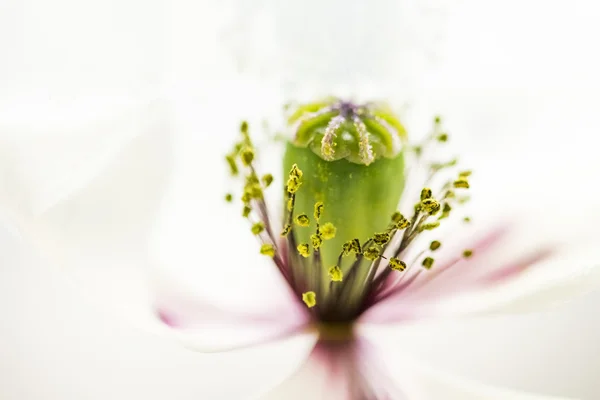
233 168
267 179
442 137
430 206
428 262
246 211
258 228
371 253
286 230
319 206
467 253
445 211
317 240
293 184
429 226
302 220
356 247
247 156
267 250
435 245
426 193
397 264
304 250
310 299
462 183
336 274
401 221
381 238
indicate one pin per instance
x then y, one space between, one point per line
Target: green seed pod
352 161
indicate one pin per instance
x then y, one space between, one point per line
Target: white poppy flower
148 236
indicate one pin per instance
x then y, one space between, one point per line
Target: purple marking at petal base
167 318
517 267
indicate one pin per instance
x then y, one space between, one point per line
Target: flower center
344 246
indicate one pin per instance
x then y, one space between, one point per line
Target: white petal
45 165
420 381
548 283
98 236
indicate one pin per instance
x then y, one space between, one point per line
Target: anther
302 220
293 184
295 171
258 228
303 250
371 253
426 193
267 179
233 168
229 197
318 209
267 250
246 211
317 240
397 264
336 274
244 127
442 137
381 238
428 262
435 245
429 226
467 253
286 230
461 183
247 156
430 206
310 299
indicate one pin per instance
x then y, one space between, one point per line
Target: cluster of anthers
366 270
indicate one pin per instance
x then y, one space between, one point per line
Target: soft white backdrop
508 75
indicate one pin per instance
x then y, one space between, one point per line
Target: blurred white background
509 76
